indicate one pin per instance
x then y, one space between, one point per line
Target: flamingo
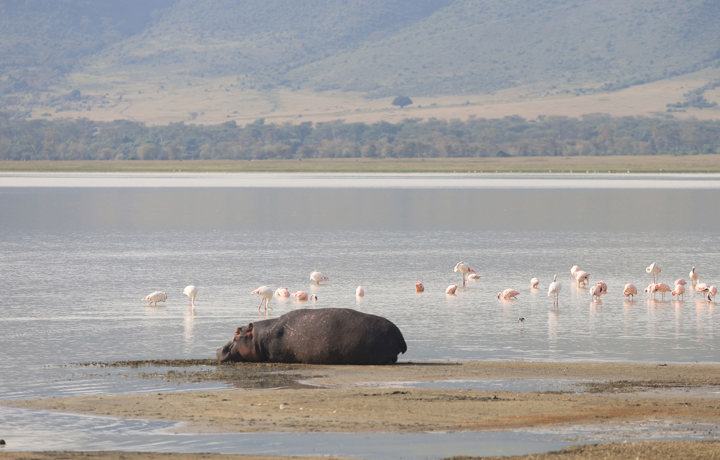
191 291
680 281
464 269
451 289
679 291
282 292
573 270
419 287
596 292
554 290
703 288
654 269
508 294
155 297
534 283
651 289
712 292
693 275
266 294
473 276
300 295
630 290
360 291
316 276
582 277
662 288
603 287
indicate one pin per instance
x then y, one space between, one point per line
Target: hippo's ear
249 330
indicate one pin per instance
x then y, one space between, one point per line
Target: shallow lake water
79 251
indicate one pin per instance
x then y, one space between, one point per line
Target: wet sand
388 399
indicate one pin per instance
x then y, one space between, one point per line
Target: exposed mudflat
302 398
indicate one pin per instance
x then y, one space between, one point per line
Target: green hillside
82 55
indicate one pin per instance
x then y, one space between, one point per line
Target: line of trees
412 138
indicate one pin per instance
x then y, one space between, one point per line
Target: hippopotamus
317 336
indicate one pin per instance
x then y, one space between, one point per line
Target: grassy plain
595 164
213 101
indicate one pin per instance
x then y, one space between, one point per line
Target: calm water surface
79 251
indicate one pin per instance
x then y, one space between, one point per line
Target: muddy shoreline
303 398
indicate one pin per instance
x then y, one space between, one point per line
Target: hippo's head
242 347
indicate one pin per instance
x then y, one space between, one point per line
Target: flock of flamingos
581 277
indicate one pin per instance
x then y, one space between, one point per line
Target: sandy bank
390 398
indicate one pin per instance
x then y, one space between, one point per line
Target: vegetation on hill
478 138
69 48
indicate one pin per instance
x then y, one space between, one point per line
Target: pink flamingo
582 277
360 291
573 270
679 291
703 288
693 275
300 296
534 283
508 294
651 289
464 269
282 292
474 276
603 287
662 288
451 289
554 290
419 287
266 294
596 292
680 281
630 290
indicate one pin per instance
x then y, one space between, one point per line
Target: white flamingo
191 291
360 291
534 283
450 290
693 275
155 297
316 277
464 269
654 269
712 292
554 290
266 294
573 270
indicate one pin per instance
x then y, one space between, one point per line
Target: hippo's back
334 336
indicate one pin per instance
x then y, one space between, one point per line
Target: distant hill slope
377 48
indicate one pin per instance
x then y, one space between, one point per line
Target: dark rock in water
2 442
